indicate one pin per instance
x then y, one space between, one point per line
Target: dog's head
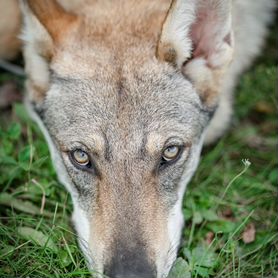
124 113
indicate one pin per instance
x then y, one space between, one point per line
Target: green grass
225 196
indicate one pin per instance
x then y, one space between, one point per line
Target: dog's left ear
197 38
47 26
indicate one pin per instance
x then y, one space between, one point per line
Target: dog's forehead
146 98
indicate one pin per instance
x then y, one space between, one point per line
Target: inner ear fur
197 38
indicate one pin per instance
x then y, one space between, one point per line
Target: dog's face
129 147
125 137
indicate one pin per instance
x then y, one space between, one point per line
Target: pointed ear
46 26
197 38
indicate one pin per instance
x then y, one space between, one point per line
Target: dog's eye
80 158
171 153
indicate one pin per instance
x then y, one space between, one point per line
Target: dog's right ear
197 38
46 26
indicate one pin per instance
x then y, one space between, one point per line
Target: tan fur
103 30
207 80
108 222
53 17
10 24
166 52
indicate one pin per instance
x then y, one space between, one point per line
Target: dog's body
135 87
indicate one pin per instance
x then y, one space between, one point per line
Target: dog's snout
130 270
130 264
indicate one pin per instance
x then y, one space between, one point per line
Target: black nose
121 271
127 264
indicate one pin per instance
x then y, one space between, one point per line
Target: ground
230 206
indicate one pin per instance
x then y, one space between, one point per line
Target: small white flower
246 162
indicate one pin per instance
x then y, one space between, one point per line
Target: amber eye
80 158
170 153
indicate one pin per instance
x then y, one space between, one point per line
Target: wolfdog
126 93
